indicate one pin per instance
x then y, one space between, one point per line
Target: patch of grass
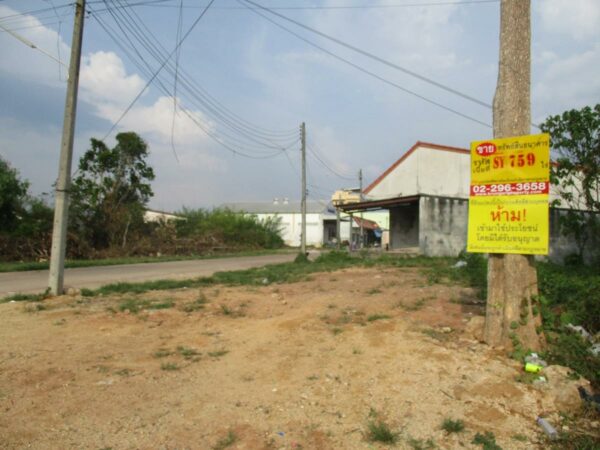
435 334
34 307
527 377
60 321
453 426
27 297
196 305
379 431
356 351
188 352
218 353
169 366
420 444
486 440
415 306
337 331
374 317
374 291
520 437
226 441
135 305
123 372
162 353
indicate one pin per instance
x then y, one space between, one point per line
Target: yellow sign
508 224
511 160
508 203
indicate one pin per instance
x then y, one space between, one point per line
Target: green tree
111 190
575 137
13 197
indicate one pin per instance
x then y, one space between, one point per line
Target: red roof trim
408 153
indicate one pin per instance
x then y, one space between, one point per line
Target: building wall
291 228
427 171
442 225
404 226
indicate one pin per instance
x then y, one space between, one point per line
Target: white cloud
27 63
568 83
103 79
423 38
579 19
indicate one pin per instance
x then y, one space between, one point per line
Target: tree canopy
575 137
111 190
13 197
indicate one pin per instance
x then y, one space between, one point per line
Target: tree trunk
512 317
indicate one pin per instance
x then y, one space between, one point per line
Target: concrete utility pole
512 279
360 183
303 206
63 183
337 228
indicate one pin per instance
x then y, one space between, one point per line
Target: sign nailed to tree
508 203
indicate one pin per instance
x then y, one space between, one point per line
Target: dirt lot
303 365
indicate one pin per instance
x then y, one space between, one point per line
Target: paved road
93 277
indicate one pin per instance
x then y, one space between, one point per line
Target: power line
372 56
372 74
325 165
160 68
153 51
336 7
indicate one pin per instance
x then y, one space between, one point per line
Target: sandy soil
303 365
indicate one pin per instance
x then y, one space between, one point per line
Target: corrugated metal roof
281 207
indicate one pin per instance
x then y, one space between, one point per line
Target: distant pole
63 183
337 228
350 239
303 207
360 181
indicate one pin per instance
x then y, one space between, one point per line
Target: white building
320 219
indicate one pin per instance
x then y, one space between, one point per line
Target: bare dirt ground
303 365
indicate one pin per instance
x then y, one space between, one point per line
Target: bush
229 228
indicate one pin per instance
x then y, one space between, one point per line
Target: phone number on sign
532 188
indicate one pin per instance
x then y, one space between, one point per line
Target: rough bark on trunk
512 317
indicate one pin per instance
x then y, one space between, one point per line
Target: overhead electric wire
338 7
372 74
325 165
178 54
198 123
160 68
372 56
261 145
153 51
157 48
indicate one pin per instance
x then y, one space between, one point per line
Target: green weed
188 353
453 426
486 440
162 353
379 431
218 353
420 444
169 366
374 317
226 441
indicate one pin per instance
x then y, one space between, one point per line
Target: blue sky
273 81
